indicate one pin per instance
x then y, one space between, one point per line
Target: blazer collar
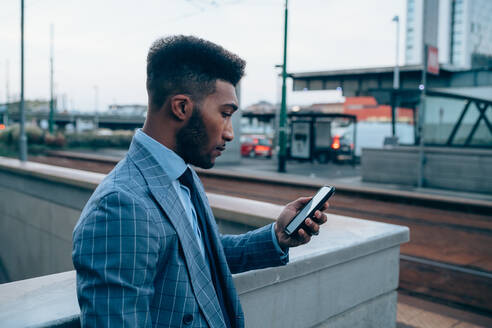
174 165
160 185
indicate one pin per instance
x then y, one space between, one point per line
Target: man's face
204 137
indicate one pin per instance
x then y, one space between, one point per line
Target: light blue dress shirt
175 166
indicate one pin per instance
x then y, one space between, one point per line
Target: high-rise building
461 29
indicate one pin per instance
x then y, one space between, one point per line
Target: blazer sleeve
115 253
252 250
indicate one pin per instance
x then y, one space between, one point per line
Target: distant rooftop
373 70
364 81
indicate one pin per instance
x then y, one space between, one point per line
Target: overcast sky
104 43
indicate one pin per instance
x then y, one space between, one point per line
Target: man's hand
303 235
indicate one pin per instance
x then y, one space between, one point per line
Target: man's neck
162 135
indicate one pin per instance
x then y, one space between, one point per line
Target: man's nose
228 134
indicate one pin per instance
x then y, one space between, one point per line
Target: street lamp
396 75
22 136
52 94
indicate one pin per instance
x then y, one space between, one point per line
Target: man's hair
188 65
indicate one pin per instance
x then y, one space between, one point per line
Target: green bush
10 136
35 136
55 141
118 139
7 151
45 140
6 136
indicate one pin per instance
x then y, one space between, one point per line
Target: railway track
448 258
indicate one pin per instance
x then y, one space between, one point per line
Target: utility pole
64 102
423 87
96 106
52 95
396 76
7 93
22 137
282 156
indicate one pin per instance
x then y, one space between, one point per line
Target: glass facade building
464 30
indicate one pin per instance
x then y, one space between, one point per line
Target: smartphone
308 210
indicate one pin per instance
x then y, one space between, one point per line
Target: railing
467 121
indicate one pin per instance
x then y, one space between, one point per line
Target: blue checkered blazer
138 261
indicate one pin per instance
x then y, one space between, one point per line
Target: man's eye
225 114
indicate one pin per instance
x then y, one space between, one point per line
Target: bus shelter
317 136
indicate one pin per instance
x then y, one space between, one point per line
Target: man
146 248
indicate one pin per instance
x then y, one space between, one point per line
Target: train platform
343 176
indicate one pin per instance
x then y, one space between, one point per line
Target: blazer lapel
163 191
223 268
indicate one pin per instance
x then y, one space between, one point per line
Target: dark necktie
187 180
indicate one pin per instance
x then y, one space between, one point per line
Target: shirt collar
170 162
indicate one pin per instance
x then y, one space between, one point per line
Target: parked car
256 146
342 147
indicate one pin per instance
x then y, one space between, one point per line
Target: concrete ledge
341 239
245 211
46 301
346 276
85 156
350 263
78 178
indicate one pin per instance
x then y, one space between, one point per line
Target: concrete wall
448 168
40 205
346 276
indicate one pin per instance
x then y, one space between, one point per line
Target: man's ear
181 107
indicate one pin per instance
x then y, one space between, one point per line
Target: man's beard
192 140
